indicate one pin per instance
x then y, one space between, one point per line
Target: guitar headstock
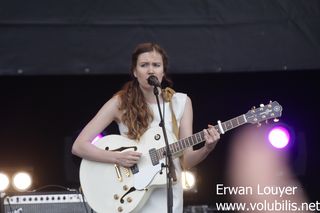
264 113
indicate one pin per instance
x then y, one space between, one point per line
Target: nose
150 70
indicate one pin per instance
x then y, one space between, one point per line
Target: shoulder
181 98
111 107
113 103
180 102
179 95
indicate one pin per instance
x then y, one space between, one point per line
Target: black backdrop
41 115
80 37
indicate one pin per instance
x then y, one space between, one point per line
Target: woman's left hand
211 136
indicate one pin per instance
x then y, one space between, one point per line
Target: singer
135 111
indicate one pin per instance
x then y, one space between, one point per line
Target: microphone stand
170 170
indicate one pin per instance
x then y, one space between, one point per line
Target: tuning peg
261 105
270 102
276 120
258 124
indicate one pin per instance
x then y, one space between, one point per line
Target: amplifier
50 202
199 209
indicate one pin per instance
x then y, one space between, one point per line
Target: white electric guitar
112 188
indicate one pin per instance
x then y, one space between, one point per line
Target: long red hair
136 112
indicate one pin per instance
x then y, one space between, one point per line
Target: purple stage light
279 137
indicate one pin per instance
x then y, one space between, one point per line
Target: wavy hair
136 112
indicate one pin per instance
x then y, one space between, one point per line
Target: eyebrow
148 62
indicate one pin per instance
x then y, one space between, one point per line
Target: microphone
153 81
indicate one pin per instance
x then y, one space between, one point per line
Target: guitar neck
176 148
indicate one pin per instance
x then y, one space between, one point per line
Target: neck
149 95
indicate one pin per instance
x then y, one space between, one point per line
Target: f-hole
122 148
129 191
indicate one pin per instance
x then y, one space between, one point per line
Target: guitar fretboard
177 147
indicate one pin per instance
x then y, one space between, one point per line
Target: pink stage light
279 137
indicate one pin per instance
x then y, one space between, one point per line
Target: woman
135 110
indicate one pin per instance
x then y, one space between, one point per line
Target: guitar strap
167 94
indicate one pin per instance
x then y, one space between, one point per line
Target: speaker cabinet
50 202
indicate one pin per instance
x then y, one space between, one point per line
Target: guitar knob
116 197
125 187
129 199
120 209
157 137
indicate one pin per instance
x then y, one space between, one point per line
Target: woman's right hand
128 158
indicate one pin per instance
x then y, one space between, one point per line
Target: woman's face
148 63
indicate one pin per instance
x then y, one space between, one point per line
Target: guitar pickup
134 169
153 156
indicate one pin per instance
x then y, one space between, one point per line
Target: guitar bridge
118 172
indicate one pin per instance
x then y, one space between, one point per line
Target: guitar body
111 188
105 184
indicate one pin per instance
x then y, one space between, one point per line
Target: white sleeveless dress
157 202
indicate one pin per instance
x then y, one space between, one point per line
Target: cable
84 203
52 186
7 197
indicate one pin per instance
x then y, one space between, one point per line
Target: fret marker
220 127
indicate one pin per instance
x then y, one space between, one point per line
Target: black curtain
95 37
